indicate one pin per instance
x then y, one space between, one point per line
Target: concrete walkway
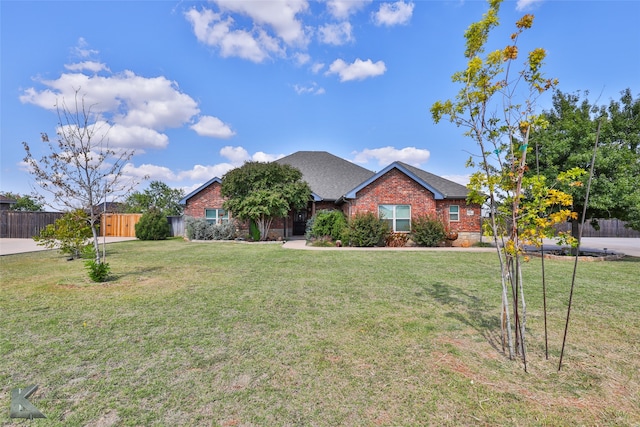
20 246
627 246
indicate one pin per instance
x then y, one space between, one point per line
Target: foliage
396 240
81 168
24 203
568 141
98 272
158 196
497 106
254 231
328 223
70 234
366 230
201 229
428 231
153 225
263 191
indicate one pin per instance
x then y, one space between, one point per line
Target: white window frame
217 218
395 218
454 216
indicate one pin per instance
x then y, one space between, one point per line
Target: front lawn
231 334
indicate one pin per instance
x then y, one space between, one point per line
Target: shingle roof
440 187
329 176
450 189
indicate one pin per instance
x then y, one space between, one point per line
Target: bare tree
81 169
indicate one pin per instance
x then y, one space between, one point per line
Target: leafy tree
568 142
81 168
497 106
264 191
24 203
70 234
153 225
158 196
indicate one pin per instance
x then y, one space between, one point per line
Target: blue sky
197 88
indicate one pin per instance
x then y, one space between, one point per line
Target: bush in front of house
153 225
326 224
428 231
200 229
366 230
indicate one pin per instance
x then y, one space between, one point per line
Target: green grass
256 335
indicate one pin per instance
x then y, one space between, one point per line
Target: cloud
398 13
527 4
387 155
280 16
335 34
238 155
341 9
317 67
93 66
213 127
205 173
359 70
139 108
312 89
153 172
82 50
274 25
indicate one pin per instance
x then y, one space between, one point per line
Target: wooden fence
119 225
608 228
25 225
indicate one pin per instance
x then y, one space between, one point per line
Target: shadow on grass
136 273
469 310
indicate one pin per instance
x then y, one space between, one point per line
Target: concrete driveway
19 246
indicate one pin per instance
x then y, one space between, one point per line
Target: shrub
153 225
327 223
428 231
397 240
366 230
200 229
70 234
98 272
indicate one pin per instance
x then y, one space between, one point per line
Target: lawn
229 334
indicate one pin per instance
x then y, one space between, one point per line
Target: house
6 203
397 193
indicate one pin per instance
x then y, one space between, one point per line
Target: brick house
397 193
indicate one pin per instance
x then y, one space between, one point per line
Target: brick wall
208 198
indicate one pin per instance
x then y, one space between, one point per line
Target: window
216 216
454 213
397 216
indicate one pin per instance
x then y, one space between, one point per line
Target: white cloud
312 89
527 4
359 70
92 66
153 172
213 127
301 58
341 9
280 16
335 34
238 155
205 173
387 155
317 67
82 49
397 13
136 137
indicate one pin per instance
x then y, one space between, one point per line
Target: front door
299 222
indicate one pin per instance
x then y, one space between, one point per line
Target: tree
153 225
81 169
24 203
497 106
158 196
70 234
568 142
264 191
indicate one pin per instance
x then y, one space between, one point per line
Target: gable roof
329 176
183 201
440 187
7 200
